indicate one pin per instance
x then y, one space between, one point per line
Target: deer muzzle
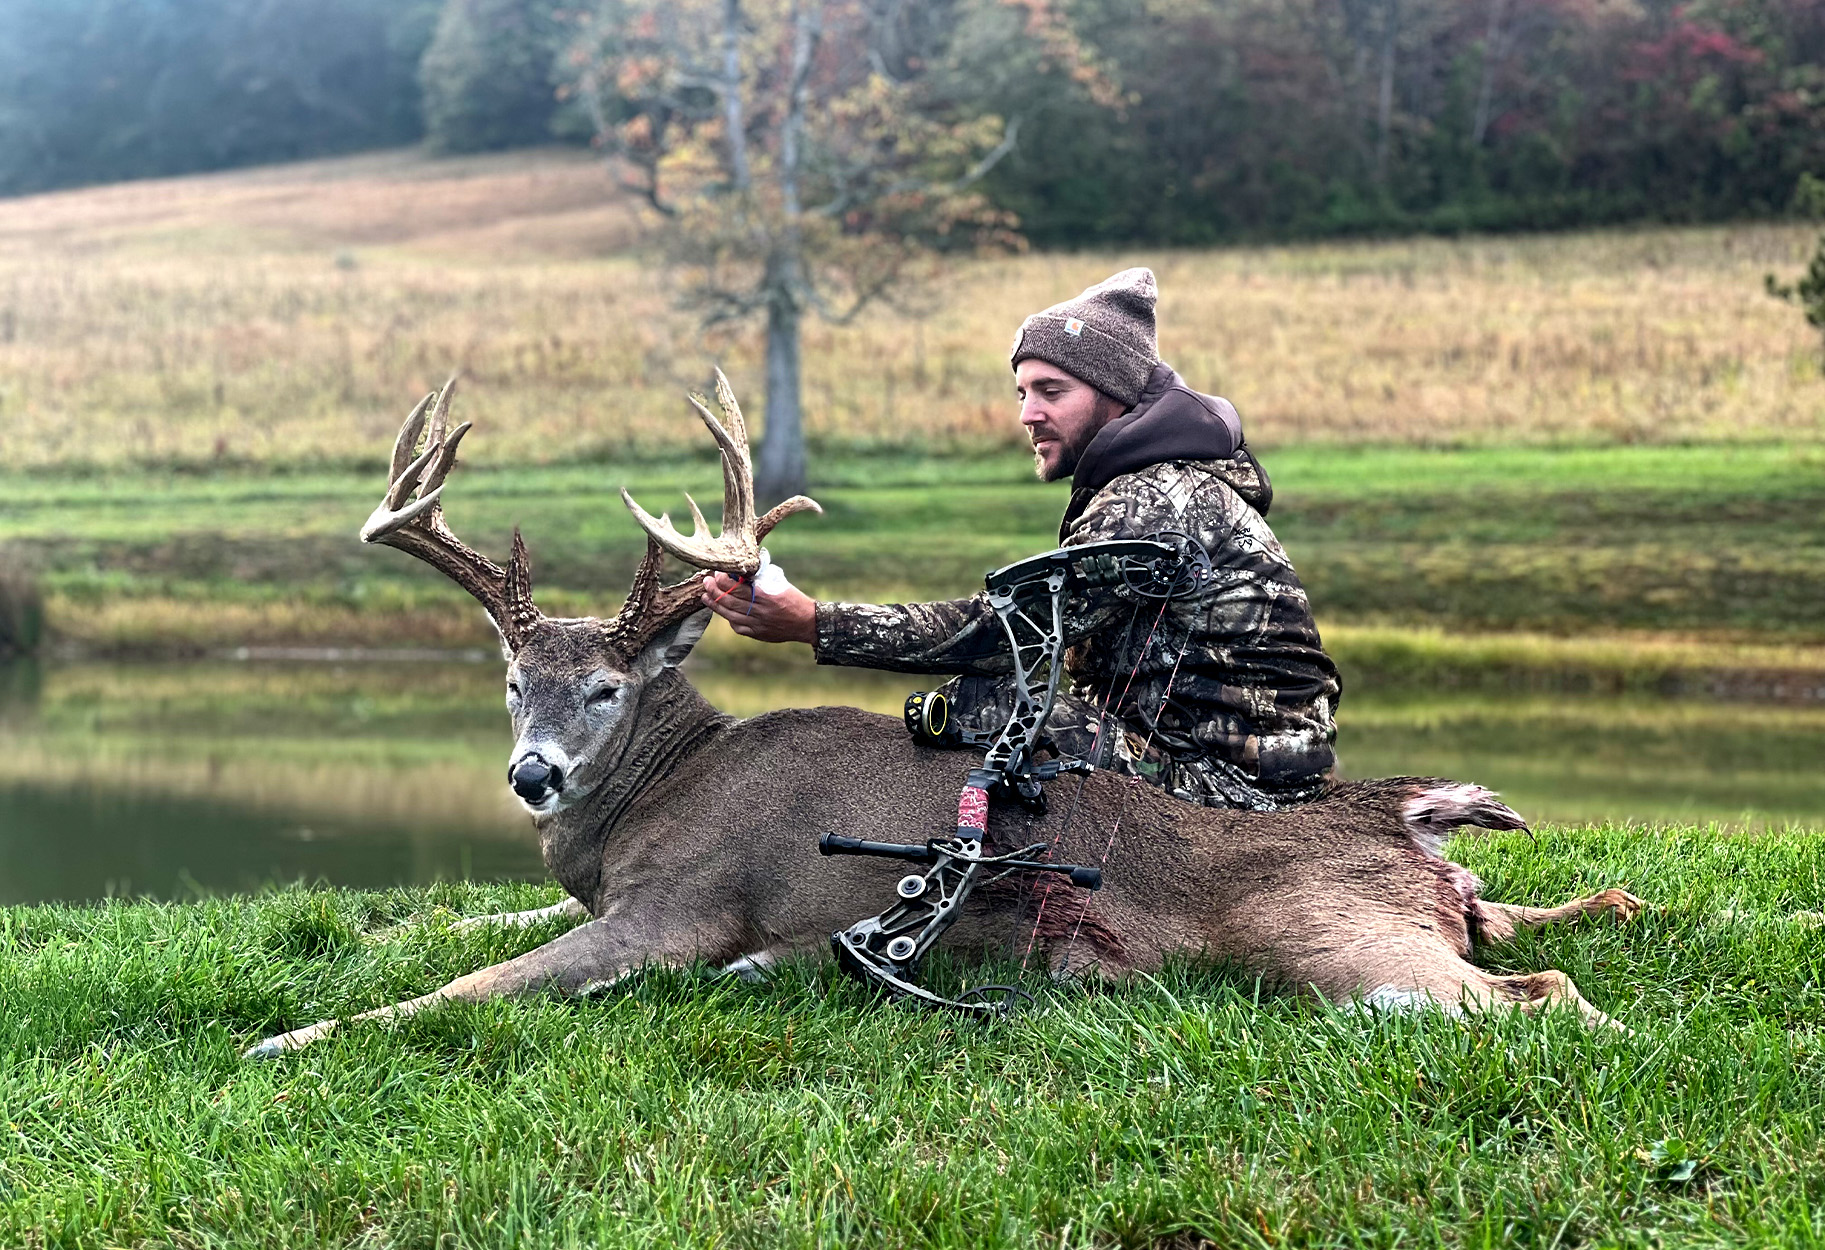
534 778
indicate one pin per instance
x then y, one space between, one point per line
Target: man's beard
1069 454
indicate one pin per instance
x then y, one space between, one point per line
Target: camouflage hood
1170 422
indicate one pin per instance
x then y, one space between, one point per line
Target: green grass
679 1110
1725 544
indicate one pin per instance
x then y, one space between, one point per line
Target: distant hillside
1190 124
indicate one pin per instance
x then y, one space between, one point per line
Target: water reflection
166 779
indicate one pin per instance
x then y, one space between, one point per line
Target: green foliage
304 924
1196 1108
1809 291
21 610
100 90
487 77
1259 118
1161 120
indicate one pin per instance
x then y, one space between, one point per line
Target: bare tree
800 160
1495 47
1384 93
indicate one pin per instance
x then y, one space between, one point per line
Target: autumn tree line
1184 121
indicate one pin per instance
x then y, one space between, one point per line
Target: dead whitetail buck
688 835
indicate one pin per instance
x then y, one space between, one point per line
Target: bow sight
1029 598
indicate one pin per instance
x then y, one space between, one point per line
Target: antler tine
446 460
650 607
407 442
700 549
440 411
646 581
737 468
779 512
736 548
731 411
418 527
521 614
732 450
738 476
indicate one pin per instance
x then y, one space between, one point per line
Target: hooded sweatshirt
1170 421
1234 680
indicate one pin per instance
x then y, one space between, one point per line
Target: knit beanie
1105 336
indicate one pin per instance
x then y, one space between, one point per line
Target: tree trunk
731 95
781 471
1384 102
782 446
1492 55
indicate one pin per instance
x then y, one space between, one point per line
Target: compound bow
1028 597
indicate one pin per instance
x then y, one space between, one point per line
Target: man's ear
670 647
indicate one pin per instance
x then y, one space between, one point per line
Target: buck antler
411 518
736 549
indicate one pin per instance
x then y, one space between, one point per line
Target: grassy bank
1695 569
1188 1111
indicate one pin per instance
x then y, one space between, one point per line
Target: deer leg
1442 981
754 967
1537 990
567 910
590 957
1501 921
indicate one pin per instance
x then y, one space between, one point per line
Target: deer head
575 686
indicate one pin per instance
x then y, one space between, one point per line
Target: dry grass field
294 313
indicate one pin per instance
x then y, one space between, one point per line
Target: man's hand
790 616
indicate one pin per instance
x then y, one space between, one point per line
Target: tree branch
1010 137
849 196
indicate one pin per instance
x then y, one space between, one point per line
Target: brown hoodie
1170 421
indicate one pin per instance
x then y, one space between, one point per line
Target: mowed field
1197 1109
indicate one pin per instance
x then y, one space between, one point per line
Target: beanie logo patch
1074 327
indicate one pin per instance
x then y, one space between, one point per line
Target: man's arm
948 636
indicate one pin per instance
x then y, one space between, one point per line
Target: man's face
1062 414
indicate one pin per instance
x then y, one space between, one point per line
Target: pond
169 780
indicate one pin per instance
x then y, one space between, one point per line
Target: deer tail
1438 807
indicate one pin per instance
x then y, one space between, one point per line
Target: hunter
1228 698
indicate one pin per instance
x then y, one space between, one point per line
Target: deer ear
506 647
670 646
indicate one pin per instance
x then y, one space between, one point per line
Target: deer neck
672 723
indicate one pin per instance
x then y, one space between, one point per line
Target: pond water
168 780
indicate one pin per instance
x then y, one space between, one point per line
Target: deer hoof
297 1039
1620 904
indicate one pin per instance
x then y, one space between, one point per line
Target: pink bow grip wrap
973 813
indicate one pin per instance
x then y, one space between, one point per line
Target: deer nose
532 778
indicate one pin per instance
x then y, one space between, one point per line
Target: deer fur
686 835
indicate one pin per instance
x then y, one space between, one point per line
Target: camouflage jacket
1254 690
